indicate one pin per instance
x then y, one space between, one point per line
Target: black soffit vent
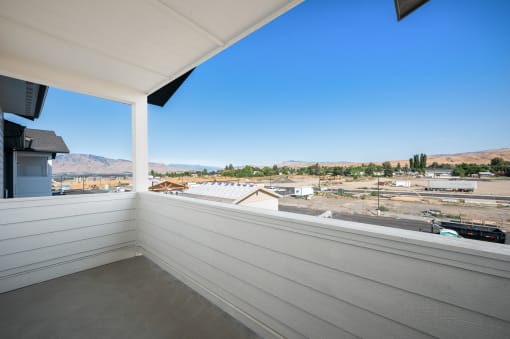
41 97
162 95
405 7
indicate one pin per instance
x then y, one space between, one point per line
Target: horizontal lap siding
332 283
44 238
2 188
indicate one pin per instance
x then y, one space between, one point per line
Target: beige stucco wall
261 200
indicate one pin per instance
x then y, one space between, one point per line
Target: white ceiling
139 45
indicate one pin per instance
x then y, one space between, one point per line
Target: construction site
483 201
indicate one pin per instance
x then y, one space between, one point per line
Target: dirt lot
410 210
475 210
498 186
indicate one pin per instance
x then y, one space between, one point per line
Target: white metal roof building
238 194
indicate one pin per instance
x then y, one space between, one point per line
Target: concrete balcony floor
132 298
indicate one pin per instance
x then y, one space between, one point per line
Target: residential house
485 174
431 172
237 194
25 166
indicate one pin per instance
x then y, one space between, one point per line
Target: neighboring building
27 160
167 186
486 174
438 172
26 154
238 194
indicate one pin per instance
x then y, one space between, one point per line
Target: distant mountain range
75 163
480 157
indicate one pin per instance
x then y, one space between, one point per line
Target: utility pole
378 191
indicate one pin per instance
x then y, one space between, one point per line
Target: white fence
44 238
297 276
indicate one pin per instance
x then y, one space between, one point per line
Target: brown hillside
482 157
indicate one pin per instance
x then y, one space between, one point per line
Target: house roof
167 186
227 192
20 138
39 140
130 48
486 173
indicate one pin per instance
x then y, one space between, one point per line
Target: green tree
459 171
370 169
315 169
497 162
388 170
423 161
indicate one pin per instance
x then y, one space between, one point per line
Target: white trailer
305 191
402 183
451 185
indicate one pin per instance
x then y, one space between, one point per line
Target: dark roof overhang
162 95
22 98
405 7
41 98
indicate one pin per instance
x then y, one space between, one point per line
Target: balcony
279 274
105 265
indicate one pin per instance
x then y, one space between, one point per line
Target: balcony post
140 142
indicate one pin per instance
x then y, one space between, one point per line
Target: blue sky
329 81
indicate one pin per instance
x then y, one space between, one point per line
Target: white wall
299 276
44 238
268 204
2 188
32 174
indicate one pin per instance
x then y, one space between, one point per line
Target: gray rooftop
45 141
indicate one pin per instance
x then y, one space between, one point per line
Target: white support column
140 140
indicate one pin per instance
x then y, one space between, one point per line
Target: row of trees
314 170
497 166
418 163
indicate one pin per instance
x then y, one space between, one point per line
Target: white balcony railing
304 277
44 238
279 273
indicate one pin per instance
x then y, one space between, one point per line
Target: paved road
406 224
435 194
